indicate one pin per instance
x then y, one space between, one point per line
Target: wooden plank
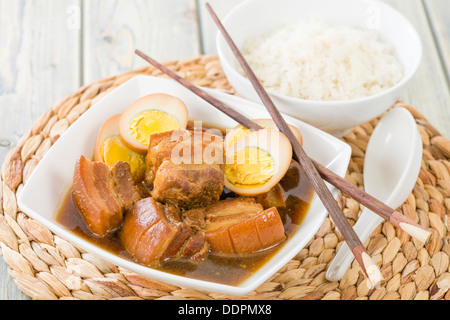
438 13
41 62
428 91
39 56
166 30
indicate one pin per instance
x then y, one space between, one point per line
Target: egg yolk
114 149
251 167
146 123
239 133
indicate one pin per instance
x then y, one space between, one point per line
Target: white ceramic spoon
391 167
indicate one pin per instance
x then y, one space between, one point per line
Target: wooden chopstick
396 218
368 266
378 207
365 199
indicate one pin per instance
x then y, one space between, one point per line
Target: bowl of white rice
333 64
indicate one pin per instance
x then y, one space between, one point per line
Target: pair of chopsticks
314 171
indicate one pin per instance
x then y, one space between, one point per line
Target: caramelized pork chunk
184 168
188 185
153 233
241 226
195 218
101 194
160 149
126 190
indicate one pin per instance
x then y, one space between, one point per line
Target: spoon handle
383 210
364 227
368 267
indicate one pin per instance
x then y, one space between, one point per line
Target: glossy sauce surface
297 195
226 270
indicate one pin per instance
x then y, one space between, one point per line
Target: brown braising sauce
298 195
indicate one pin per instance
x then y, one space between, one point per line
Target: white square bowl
44 192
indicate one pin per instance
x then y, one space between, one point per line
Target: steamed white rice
314 60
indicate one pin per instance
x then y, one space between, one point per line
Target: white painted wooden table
50 48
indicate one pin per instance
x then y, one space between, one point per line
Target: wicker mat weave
44 266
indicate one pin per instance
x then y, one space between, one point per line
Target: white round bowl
260 17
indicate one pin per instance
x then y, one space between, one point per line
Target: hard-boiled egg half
151 114
257 161
238 132
110 148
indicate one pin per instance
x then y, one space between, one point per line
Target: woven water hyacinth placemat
45 266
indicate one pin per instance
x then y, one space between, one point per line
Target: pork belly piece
195 218
189 147
188 185
153 233
241 226
160 149
184 168
196 248
101 194
232 206
124 184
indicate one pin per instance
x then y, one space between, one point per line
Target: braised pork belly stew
157 193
